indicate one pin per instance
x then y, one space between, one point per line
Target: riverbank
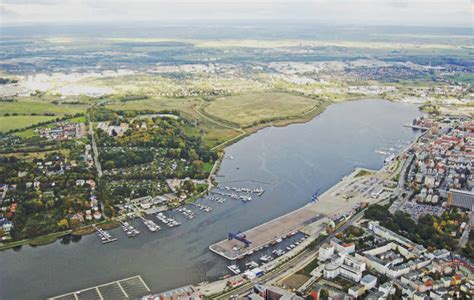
300 119
53 237
278 122
290 162
37 241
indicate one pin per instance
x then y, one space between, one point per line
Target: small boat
265 258
251 265
234 269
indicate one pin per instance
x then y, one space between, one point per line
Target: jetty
129 230
103 235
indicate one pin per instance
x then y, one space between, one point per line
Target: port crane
239 237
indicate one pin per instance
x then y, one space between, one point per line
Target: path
94 147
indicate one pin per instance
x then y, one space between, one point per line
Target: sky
436 13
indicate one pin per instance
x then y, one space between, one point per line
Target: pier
267 233
150 224
341 200
104 236
129 230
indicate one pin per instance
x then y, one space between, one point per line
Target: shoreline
295 120
51 238
305 117
85 230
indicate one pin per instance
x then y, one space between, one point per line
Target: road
401 186
94 147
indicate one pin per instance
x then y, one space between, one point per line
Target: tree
108 211
63 224
324 294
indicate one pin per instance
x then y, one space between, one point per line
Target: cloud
366 12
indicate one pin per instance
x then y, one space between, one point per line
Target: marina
186 212
104 236
150 225
259 191
370 125
170 222
203 207
129 230
220 200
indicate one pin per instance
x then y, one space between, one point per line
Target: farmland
39 108
17 122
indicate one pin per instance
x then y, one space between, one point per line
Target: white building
369 281
325 252
346 266
342 247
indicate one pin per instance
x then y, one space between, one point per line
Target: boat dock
104 236
150 224
267 233
129 230
233 192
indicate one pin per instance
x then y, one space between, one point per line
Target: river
290 163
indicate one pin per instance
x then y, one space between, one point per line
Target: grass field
249 109
158 104
218 120
16 122
36 107
212 133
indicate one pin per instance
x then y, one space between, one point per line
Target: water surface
290 163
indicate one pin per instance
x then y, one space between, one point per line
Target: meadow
39 108
251 109
16 122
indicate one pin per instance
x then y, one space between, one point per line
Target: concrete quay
340 200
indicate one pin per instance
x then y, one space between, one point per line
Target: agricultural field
17 122
22 114
39 108
251 109
186 106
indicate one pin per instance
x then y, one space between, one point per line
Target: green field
39 108
251 109
218 120
158 104
16 122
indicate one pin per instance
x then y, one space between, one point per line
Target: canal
290 163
